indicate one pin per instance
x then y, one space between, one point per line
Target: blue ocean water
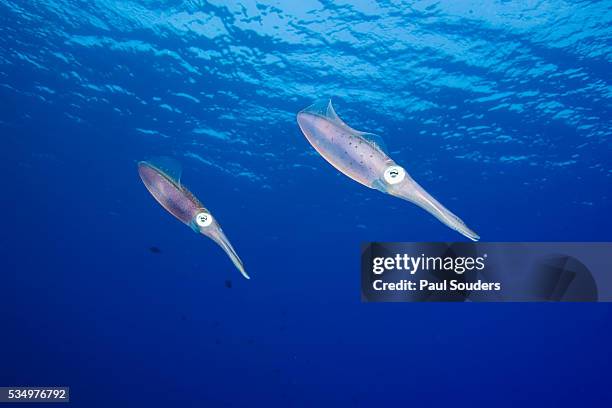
502 110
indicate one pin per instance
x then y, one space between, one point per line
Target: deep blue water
502 110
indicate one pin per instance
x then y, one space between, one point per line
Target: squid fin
324 108
375 140
169 166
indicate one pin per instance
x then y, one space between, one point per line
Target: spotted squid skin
350 154
177 200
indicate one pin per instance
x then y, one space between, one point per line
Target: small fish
155 250
361 156
161 176
228 284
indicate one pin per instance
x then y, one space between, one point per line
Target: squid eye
204 219
394 174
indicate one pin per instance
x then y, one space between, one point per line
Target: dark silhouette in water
228 284
155 250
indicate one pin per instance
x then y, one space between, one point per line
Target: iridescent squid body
161 177
359 155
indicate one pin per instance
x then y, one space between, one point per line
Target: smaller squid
161 177
361 157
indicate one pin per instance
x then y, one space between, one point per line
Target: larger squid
360 156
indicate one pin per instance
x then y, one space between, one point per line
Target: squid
362 157
161 177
